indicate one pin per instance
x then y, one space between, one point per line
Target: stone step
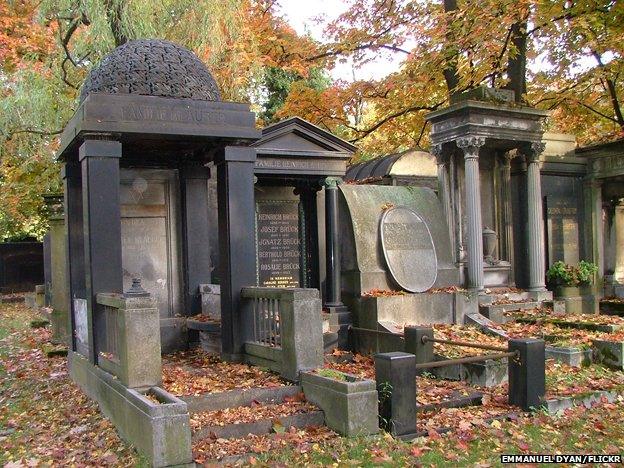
264 426
612 308
233 398
474 399
496 312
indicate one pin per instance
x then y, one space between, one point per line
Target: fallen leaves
249 414
47 419
196 372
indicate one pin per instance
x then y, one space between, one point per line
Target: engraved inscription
563 231
144 255
278 243
408 249
181 114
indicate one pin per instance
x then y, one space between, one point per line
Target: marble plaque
563 230
408 249
81 323
144 252
278 244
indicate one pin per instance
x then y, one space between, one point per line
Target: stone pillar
58 270
332 245
507 215
196 235
527 373
470 146
237 260
618 219
444 191
74 251
395 375
99 161
535 221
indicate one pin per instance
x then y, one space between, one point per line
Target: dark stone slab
21 266
408 249
278 243
395 374
527 373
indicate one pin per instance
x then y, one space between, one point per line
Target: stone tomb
368 266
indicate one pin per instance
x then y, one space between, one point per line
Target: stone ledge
232 398
555 405
161 432
265 426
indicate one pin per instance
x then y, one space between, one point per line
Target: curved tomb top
152 67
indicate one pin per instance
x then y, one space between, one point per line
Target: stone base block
610 353
414 309
541 295
485 374
211 300
161 432
349 403
59 321
580 304
572 356
173 335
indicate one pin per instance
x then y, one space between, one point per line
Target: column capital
91 148
470 145
236 154
533 151
332 182
436 151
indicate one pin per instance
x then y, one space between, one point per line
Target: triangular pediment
300 136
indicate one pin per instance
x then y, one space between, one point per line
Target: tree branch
388 118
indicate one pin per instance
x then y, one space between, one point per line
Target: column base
540 294
340 320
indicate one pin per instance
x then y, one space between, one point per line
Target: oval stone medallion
409 250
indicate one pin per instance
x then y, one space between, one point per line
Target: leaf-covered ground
45 419
196 372
473 441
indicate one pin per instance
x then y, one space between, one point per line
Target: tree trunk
516 64
114 11
450 52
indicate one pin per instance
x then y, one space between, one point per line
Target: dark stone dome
152 67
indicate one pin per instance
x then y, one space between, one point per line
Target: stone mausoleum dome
152 67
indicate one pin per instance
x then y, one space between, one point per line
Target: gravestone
408 249
148 242
278 244
395 238
563 230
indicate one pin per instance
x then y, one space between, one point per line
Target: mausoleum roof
152 67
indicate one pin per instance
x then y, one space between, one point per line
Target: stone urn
490 239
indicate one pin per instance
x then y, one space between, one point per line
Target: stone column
74 251
99 161
444 191
535 220
332 245
507 231
470 146
194 181
597 228
618 219
237 260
